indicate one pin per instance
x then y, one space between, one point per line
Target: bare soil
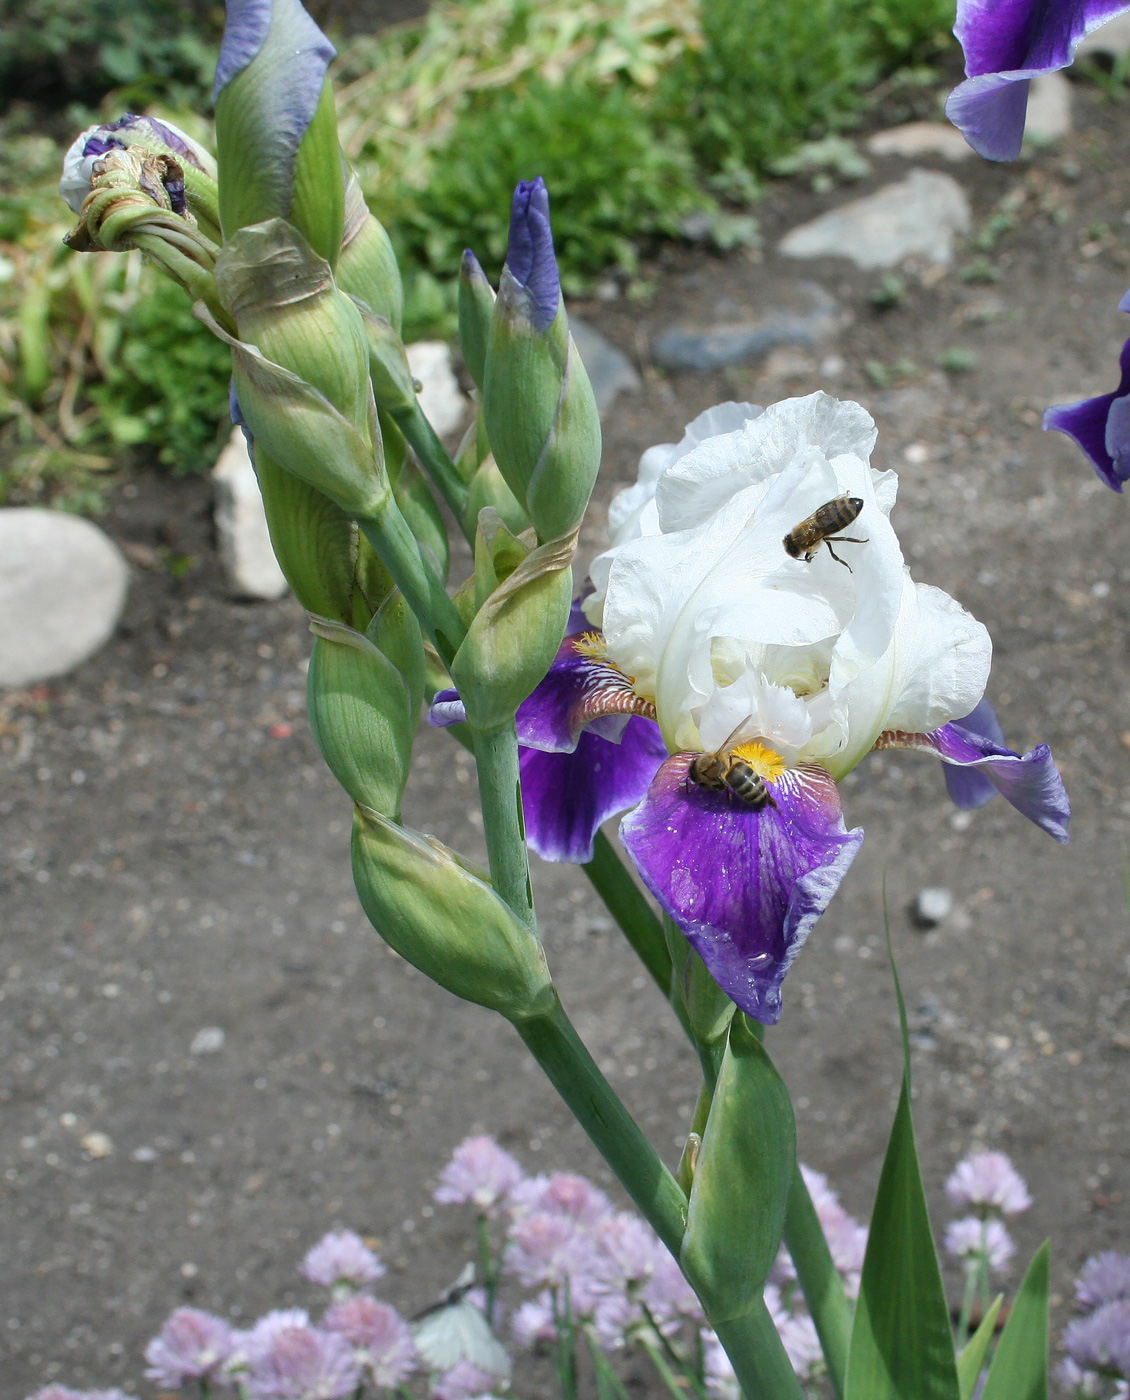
175 855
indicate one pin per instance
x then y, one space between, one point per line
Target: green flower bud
361 714
366 266
488 488
393 386
741 1180
276 131
447 922
523 596
476 307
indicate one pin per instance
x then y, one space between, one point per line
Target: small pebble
208 1041
97 1145
932 907
143 1154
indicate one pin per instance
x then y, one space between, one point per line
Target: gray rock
1049 109
62 589
932 907
443 402
921 139
609 370
1112 38
915 217
814 319
207 1041
241 526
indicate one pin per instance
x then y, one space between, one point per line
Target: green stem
675 1384
486 1259
819 1279
433 457
966 1308
609 1386
667 1351
400 553
626 903
758 1356
555 1044
500 795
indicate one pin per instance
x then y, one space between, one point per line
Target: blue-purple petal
969 788
246 24
1100 426
529 254
567 797
1006 44
745 886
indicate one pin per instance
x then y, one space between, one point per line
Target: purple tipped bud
529 254
127 131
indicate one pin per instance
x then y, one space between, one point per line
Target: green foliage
1020 1366
903 31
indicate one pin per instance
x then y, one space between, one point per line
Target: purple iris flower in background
1007 43
1101 426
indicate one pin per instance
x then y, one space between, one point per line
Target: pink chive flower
847 1239
1076 1381
721 1383
967 1238
465 1381
532 1324
988 1182
550 1251
565 1194
669 1297
301 1363
343 1261
798 1334
630 1245
1101 1340
191 1346
63 1392
1105 1278
381 1339
480 1174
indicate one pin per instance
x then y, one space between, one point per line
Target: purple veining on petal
1006 44
969 788
745 886
1100 426
567 797
529 253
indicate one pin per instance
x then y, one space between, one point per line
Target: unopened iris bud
195 190
366 267
275 126
541 416
741 1180
393 386
476 307
487 488
446 921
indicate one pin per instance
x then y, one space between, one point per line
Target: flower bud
541 416
523 596
275 126
741 1180
488 488
476 307
366 266
447 922
393 386
361 715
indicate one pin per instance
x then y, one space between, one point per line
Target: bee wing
459 1332
729 743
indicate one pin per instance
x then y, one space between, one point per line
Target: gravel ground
175 856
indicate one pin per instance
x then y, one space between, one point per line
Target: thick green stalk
557 1047
500 796
758 1356
433 457
400 553
820 1282
626 903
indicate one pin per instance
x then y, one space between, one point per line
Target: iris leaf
1020 1367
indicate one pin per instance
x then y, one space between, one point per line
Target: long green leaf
1020 1367
971 1360
901 1343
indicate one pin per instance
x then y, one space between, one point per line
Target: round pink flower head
191 1346
564 1194
631 1245
798 1333
553 1251
965 1239
64 1392
1105 1278
669 1297
479 1174
988 1182
343 1261
532 1325
465 1381
301 1363
381 1339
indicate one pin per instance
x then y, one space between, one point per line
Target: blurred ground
175 856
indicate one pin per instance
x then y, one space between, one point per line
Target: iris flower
703 634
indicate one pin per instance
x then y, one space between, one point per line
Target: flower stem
819 1279
966 1307
758 1356
433 457
555 1044
500 795
400 553
626 903
677 1385
609 1386
486 1260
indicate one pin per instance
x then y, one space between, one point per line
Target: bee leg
837 558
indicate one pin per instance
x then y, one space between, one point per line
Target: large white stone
913 139
62 589
443 403
915 217
241 526
1049 109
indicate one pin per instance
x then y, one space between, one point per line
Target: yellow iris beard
767 763
591 644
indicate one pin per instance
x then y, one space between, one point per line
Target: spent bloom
343 1261
710 632
480 1174
300 1362
1104 1278
970 1238
988 1182
191 1346
380 1337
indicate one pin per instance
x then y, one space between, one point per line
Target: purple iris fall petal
529 254
577 692
744 885
1100 426
446 709
1007 43
567 797
969 788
